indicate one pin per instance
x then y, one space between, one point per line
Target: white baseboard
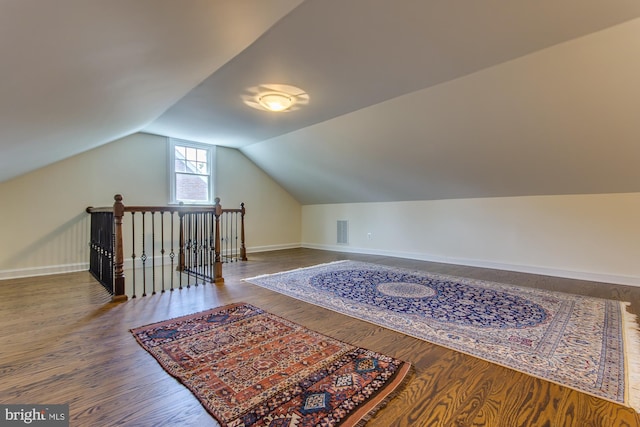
43 271
268 248
545 271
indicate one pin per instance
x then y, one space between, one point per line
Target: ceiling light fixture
275 97
276 101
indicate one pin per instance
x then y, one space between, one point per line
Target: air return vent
343 232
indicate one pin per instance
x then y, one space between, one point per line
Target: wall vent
343 232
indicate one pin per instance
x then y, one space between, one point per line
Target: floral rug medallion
252 368
589 344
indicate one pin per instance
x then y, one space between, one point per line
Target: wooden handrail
91 209
168 208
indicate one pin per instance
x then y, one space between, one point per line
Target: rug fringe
383 403
632 345
296 269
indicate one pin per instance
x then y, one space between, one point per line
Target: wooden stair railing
197 237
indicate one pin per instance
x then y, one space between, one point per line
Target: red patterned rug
252 368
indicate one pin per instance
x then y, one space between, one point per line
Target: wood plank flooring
63 341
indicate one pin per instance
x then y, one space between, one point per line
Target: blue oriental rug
589 344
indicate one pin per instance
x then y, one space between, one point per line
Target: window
191 176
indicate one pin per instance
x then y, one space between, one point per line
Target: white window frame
211 158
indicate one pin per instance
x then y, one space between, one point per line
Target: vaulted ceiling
408 100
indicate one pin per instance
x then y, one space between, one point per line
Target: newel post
243 249
181 258
217 277
118 254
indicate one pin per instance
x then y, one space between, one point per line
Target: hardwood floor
62 341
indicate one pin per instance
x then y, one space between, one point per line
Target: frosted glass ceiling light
275 97
276 101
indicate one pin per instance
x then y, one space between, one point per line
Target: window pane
192 154
180 166
202 168
192 187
